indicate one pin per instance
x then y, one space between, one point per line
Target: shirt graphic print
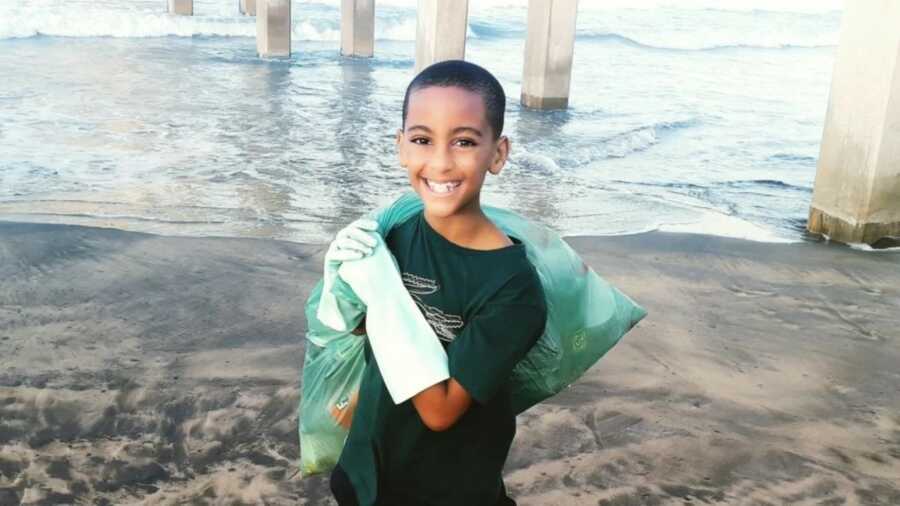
446 326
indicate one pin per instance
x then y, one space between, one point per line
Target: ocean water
687 115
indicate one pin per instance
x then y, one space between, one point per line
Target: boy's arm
441 405
409 354
482 357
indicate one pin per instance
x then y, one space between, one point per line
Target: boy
477 290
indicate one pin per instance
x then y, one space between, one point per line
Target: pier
440 31
549 48
358 28
857 190
440 35
181 7
273 28
247 7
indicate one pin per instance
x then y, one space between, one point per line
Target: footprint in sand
744 292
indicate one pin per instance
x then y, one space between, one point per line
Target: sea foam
396 20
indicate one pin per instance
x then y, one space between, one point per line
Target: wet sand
140 369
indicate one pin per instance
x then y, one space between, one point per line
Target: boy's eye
419 140
466 143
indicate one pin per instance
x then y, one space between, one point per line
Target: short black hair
468 76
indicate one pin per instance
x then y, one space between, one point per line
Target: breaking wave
80 21
689 46
320 21
642 138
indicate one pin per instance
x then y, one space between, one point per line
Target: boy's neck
469 228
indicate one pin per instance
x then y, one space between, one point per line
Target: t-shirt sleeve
498 336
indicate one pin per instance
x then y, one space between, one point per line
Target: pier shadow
352 104
352 99
536 175
262 128
540 126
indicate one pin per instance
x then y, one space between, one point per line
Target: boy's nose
440 161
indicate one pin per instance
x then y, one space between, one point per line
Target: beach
165 205
147 369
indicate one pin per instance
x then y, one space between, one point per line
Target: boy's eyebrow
455 130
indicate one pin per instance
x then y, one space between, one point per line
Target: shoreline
765 236
154 369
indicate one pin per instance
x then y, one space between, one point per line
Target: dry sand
138 369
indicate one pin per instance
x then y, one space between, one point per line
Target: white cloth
409 353
353 242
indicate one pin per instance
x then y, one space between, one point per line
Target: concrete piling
440 31
549 47
857 190
181 7
273 28
247 7
358 28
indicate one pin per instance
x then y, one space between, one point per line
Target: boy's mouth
444 188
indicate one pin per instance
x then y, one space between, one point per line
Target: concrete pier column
273 28
181 7
857 191
247 7
358 28
440 31
549 46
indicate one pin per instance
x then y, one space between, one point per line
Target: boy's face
448 147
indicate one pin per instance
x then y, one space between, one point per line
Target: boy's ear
401 155
501 154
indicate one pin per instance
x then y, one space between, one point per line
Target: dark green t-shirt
487 308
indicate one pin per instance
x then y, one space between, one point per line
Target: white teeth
442 187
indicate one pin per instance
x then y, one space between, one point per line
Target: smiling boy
477 290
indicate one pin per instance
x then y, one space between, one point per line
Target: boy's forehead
447 106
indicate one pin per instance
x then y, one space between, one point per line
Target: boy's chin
440 207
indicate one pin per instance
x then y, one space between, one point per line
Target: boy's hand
441 405
355 241
351 243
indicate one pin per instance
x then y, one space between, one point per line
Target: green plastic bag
332 370
586 317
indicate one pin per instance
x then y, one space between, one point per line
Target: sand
140 369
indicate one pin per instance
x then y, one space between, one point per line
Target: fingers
365 224
360 236
350 243
361 229
355 241
345 255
